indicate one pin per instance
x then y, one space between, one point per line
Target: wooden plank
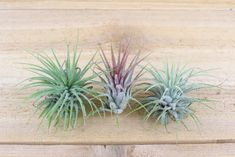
158 29
206 41
208 150
19 124
116 4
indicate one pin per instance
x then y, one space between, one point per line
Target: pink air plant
118 80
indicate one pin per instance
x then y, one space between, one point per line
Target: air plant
169 97
63 90
118 78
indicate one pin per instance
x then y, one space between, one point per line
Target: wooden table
196 32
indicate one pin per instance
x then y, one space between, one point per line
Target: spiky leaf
63 90
118 77
169 91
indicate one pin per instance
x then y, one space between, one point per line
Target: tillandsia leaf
118 78
169 91
63 90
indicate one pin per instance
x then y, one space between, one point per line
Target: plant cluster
169 93
118 78
64 91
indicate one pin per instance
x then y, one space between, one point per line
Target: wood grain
193 34
116 4
208 150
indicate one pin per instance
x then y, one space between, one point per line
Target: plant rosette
168 95
118 79
63 89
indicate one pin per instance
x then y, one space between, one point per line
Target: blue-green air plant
118 78
63 91
168 93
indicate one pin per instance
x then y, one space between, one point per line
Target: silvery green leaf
64 90
169 93
118 75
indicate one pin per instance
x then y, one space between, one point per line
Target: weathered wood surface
207 150
200 33
116 4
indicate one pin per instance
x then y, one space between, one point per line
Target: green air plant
63 91
118 78
168 94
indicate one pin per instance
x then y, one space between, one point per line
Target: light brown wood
208 150
116 4
188 35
